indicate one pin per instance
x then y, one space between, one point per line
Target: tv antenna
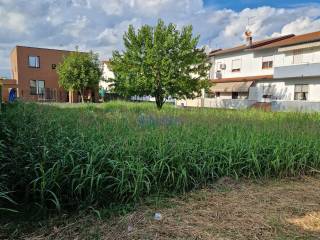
248 32
249 21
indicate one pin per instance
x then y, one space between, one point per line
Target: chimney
248 35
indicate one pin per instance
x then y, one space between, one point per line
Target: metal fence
276 105
295 106
46 94
228 103
216 103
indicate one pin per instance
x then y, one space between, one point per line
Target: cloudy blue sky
98 25
241 4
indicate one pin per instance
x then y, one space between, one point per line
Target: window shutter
298 56
297 88
267 59
305 88
301 88
236 64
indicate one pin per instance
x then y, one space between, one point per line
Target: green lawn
61 157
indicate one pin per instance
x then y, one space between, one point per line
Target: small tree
160 61
79 71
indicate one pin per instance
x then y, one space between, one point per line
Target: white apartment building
282 71
107 74
105 83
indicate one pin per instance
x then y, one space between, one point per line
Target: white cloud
99 25
114 7
113 36
75 28
266 22
12 21
149 8
301 25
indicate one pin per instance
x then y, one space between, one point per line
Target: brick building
34 71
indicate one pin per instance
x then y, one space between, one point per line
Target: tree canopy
161 62
79 71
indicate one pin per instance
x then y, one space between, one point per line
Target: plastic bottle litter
130 228
157 216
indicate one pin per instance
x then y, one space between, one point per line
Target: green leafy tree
79 71
160 61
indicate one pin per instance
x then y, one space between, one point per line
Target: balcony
297 71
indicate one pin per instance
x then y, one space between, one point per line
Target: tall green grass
65 157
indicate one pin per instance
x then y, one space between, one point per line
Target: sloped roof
255 45
299 39
283 41
50 49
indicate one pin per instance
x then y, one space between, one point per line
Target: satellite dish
248 33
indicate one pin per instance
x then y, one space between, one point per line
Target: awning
232 87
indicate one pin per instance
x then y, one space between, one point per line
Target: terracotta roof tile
287 40
304 38
256 44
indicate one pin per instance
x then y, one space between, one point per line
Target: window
301 91
219 74
34 61
210 95
297 56
222 66
267 65
36 87
267 62
268 91
33 87
235 95
236 65
266 96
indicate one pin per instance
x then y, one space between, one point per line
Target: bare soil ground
228 210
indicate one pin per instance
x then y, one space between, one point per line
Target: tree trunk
159 94
81 95
70 96
159 101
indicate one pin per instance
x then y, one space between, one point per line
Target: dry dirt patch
277 209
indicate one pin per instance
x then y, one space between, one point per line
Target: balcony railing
217 103
47 94
275 105
297 71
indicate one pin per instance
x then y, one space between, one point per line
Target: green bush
66 157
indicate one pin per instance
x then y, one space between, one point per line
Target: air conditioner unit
218 75
223 66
